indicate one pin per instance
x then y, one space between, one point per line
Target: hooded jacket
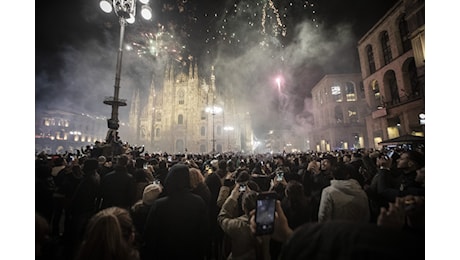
344 200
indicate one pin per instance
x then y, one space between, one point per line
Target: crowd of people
360 204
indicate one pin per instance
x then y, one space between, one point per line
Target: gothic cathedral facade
189 115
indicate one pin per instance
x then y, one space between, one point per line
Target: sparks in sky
159 43
262 23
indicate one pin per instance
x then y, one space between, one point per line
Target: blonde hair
109 235
195 177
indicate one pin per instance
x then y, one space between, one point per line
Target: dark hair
342 171
417 157
346 240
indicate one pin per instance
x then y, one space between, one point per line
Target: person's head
109 235
294 190
195 177
347 240
139 164
410 161
248 201
123 160
279 160
231 166
90 165
328 162
101 159
222 165
178 179
242 177
346 158
151 193
342 171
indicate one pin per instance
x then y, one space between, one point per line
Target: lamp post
213 110
126 12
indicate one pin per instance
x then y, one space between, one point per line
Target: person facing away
177 225
109 235
83 201
344 199
118 188
297 207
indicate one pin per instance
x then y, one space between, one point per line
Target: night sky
249 43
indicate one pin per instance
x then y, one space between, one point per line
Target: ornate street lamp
126 12
213 110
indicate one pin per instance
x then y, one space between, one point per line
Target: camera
265 213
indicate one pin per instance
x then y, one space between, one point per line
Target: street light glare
146 12
131 19
105 6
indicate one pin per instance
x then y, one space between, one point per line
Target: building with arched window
181 116
392 60
339 111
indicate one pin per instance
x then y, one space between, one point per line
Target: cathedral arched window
157 132
203 131
203 115
181 96
180 119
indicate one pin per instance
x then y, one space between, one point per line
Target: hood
350 186
177 180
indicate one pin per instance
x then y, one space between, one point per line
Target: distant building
189 114
58 131
339 111
392 60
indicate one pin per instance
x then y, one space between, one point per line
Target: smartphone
242 187
265 213
146 166
390 154
279 176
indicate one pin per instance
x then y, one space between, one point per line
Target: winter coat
344 200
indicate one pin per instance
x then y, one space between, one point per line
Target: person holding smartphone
346 240
244 244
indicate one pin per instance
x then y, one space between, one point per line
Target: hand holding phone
265 213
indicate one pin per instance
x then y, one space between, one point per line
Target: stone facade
393 71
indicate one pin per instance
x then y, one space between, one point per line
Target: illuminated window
336 93
376 91
350 91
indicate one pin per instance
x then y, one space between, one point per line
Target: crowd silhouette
347 204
